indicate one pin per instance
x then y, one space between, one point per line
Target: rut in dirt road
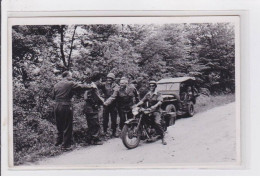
207 137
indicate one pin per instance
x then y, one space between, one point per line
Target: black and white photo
125 92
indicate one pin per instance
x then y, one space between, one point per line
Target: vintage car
179 97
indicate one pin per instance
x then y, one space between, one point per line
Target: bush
33 138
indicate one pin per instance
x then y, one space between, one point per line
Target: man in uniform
153 100
108 89
125 96
93 101
135 85
141 87
62 94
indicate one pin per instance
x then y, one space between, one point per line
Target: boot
66 148
114 134
103 133
97 142
59 142
163 141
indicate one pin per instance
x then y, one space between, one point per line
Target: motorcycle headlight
135 111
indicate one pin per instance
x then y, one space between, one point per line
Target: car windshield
168 86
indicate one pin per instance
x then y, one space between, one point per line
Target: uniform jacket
125 98
152 98
106 88
63 90
93 100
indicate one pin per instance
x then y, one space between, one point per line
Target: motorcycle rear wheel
129 141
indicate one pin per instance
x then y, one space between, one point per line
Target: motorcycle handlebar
148 110
144 110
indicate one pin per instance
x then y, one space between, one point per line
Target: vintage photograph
126 94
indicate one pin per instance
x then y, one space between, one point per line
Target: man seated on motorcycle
153 100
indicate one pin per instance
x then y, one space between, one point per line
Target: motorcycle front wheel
130 136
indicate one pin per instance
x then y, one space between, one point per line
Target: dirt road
208 137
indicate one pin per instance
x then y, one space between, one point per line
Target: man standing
108 89
62 94
153 100
93 101
126 96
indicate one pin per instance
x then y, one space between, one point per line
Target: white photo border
118 13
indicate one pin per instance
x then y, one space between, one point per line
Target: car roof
175 80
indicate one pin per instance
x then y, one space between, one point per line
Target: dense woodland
140 52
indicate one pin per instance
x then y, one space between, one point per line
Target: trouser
64 116
124 115
93 131
156 123
113 116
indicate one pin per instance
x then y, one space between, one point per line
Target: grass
205 103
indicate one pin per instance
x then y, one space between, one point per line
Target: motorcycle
139 128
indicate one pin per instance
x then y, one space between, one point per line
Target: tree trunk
61 46
71 48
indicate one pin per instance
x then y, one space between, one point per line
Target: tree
213 49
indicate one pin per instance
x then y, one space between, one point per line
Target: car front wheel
171 110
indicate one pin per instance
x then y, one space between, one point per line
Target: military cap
152 82
124 78
111 75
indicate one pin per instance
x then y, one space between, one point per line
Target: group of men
116 99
